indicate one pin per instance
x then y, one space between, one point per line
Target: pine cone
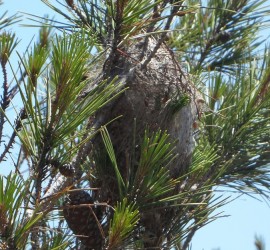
82 220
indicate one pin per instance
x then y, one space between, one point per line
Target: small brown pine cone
82 220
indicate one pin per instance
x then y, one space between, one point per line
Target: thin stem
5 99
162 37
189 238
86 22
18 123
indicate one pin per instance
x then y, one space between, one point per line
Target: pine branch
17 127
84 18
5 99
189 238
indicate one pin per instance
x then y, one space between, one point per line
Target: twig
83 18
189 238
162 37
18 123
156 15
5 99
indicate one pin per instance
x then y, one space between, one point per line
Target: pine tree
129 115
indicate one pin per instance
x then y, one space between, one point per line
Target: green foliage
15 222
242 142
219 35
124 220
7 45
149 187
62 83
109 148
7 21
54 109
148 179
151 180
57 101
57 240
103 18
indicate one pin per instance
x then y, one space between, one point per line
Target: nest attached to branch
159 96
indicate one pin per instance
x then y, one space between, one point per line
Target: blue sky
248 217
